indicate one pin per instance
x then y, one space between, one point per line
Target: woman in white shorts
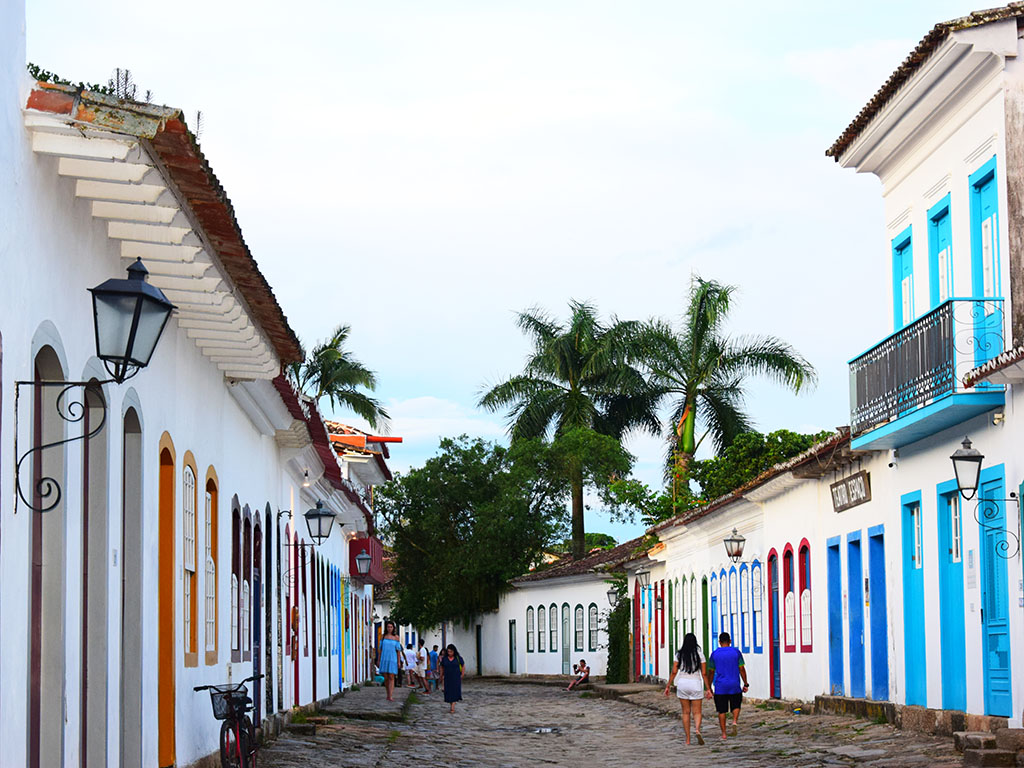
688 676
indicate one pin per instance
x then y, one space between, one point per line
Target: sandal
700 739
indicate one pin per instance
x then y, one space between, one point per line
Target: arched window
756 592
210 566
714 608
553 627
744 590
592 620
529 629
189 582
723 602
246 598
578 615
542 628
789 606
734 608
806 636
693 605
236 579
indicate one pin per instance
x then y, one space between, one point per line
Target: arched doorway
94 583
131 591
167 625
47 583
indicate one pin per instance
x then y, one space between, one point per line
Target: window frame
210 590
757 606
788 602
593 624
806 598
745 600
530 628
190 543
578 628
542 628
553 628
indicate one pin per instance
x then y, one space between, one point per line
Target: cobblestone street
503 724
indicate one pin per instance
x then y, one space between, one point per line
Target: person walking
433 666
389 657
688 673
421 666
410 666
451 666
726 668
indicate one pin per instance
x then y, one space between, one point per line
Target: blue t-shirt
726 662
433 661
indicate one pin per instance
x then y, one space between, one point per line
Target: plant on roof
581 385
701 371
331 371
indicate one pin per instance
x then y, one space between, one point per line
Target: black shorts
726 702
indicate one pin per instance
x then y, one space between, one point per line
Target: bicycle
237 734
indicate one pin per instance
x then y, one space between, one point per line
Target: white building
162 560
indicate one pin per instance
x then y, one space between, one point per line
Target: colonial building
151 531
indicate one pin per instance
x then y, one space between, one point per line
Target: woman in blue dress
451 666
388 657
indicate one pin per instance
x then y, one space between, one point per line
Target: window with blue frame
903 279
940 252
757 618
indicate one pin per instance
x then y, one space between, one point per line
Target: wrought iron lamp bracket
1009 545
71 410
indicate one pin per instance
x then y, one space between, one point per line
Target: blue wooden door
835 619
878 600
855 595
951 598
776 640
995 616
913 600
940 252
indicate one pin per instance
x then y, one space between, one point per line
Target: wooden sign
851 491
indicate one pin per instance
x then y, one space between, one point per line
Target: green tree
702 371
593 541
748 456
331 371
471 518
617 625
580 376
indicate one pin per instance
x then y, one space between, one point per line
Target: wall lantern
129 316
613 596
363 561
967 468
319 521
644 578
659 603
734 546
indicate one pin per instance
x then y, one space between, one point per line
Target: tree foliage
617 625
750 454
592 541
702 371
581 377
471 518
331 371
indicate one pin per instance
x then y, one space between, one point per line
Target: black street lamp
613 596
734 546
319 521
967 468
644 577
129 317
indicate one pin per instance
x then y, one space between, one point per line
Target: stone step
1010 738
964 740
990 757
301 729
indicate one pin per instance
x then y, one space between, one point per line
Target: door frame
878 613
855 607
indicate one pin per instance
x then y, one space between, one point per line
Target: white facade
127 607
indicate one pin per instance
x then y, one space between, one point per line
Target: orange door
165 647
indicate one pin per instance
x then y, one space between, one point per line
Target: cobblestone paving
504 725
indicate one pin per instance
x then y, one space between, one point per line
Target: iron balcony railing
925 361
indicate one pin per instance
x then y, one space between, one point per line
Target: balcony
909 386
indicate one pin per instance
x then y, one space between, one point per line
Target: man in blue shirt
725 668
433 666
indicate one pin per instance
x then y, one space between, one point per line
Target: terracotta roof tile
602 561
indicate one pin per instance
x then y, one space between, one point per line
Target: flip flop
700 739
732 730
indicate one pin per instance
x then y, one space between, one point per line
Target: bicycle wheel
234 745
250 730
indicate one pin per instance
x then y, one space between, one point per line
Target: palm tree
578 376
330 371
702 371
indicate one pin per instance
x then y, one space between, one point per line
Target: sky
424 171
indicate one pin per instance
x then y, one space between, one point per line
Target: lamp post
319 521
967 469
613 596
363 561
734 546
643 578
129 316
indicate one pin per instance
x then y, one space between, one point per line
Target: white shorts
691 688
421 670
